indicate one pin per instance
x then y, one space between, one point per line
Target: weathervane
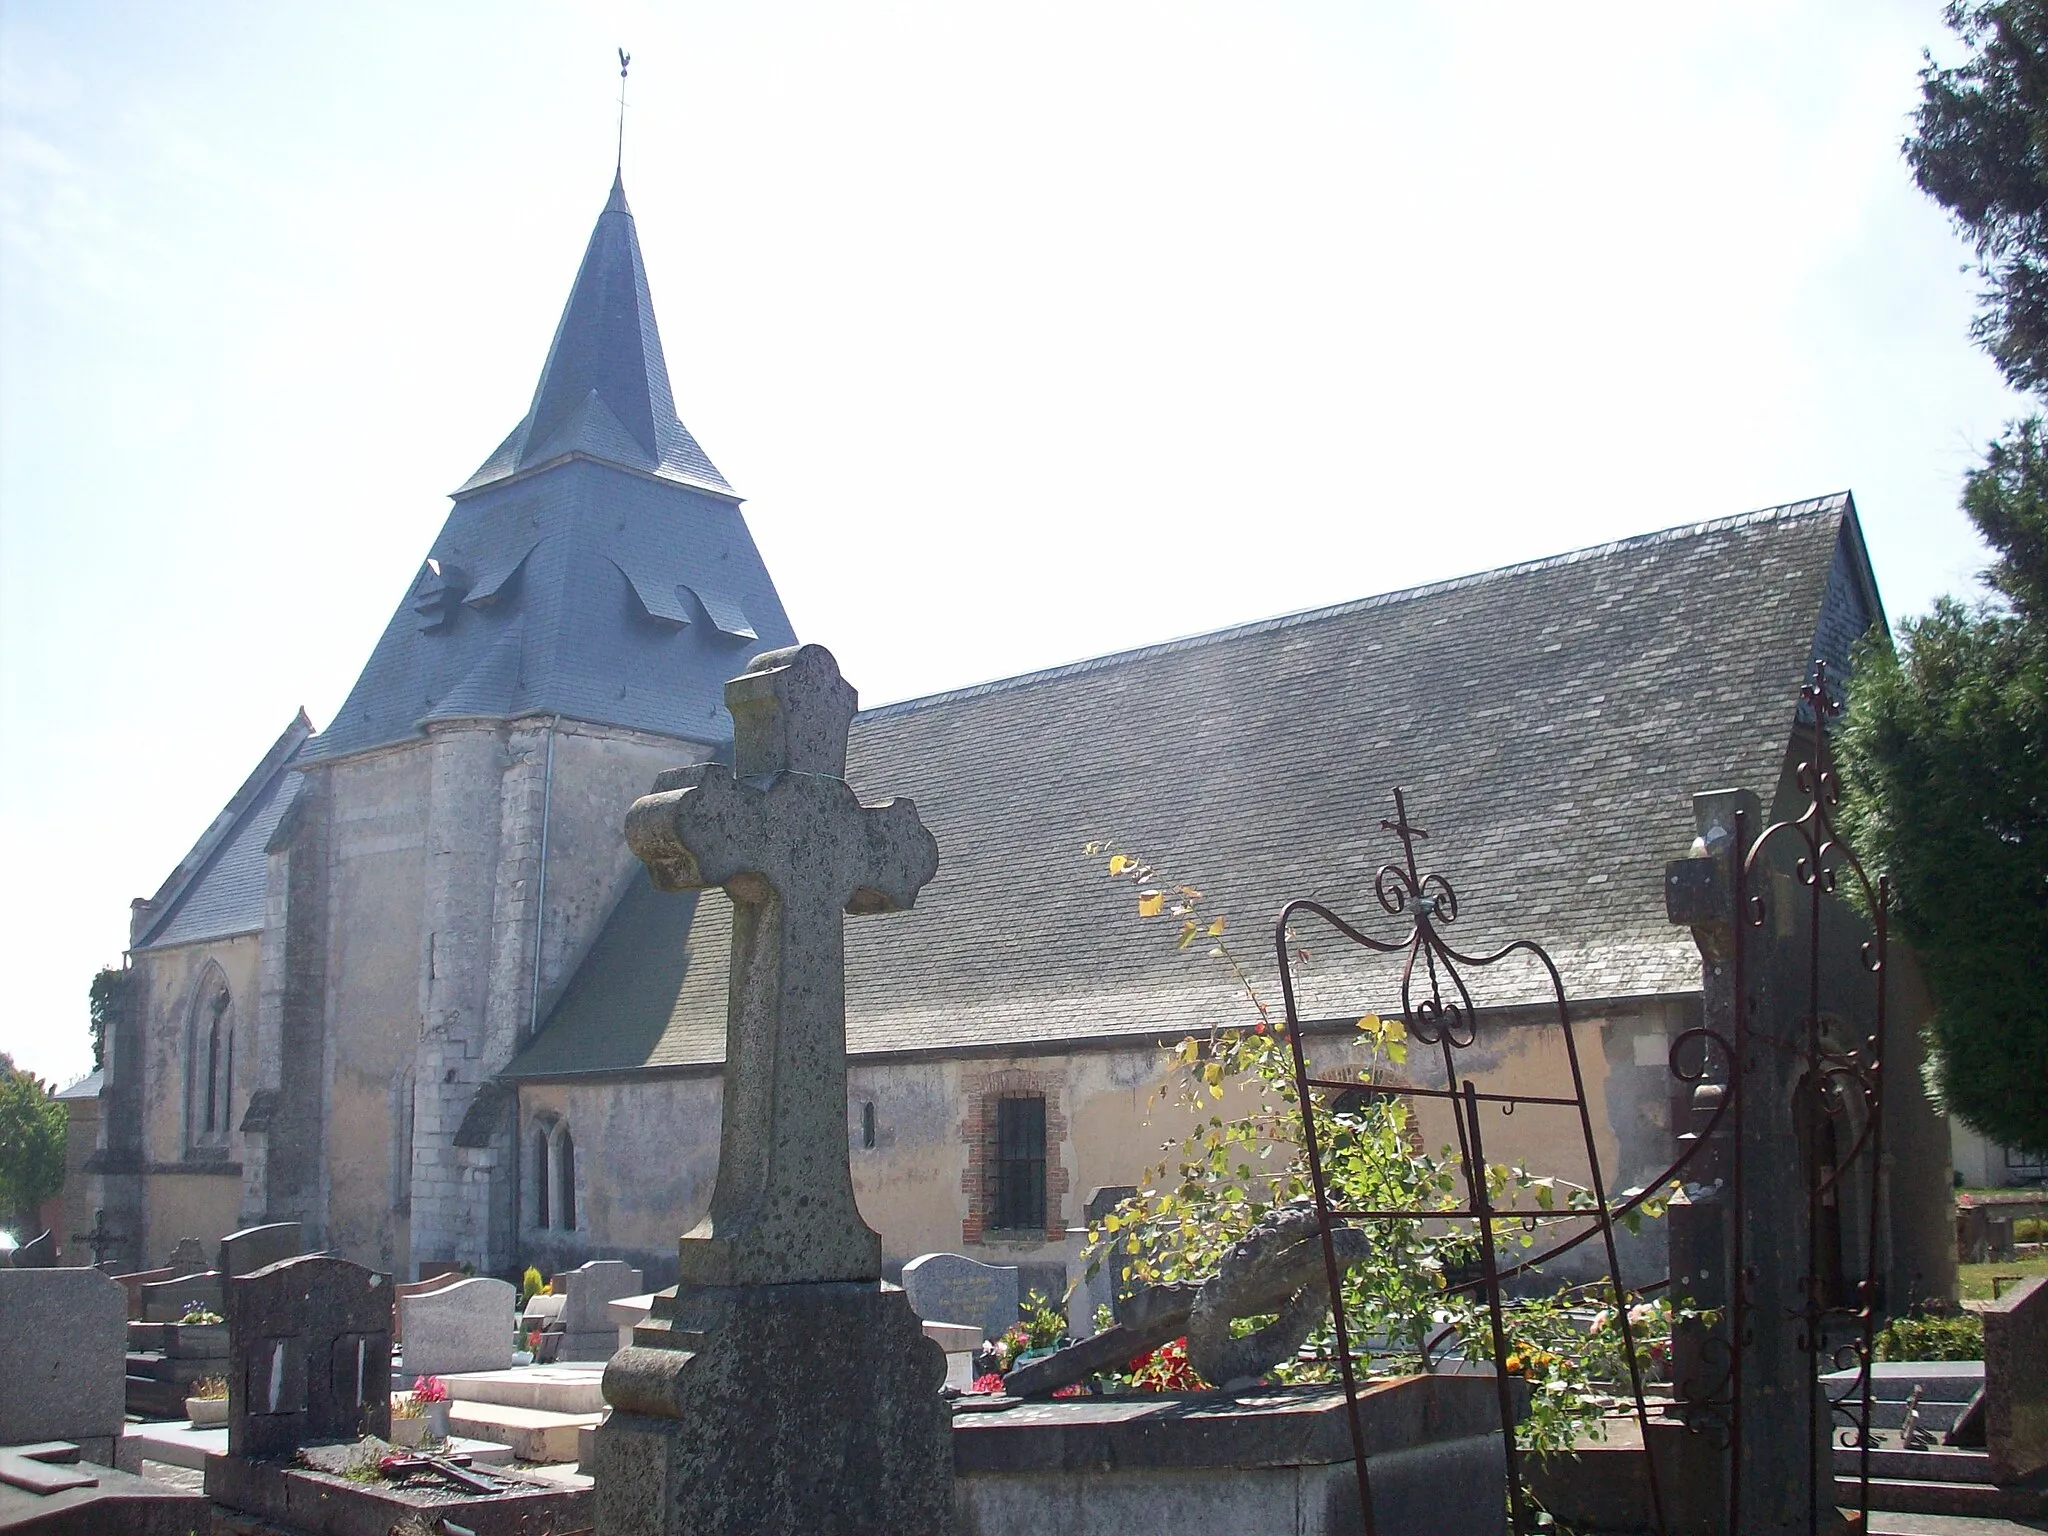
625 59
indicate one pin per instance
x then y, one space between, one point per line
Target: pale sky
1028 331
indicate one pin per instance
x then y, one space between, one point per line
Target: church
411 989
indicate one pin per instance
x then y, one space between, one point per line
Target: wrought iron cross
1408 834
102 1237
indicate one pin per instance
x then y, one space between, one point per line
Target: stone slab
627 1313
592 1289
1282 1426
1269 1460
63 1355
559 1388
180 1445
464 1326
2016 1381
954 1338
163 1300
254 1248
318 1504
534 1434
952 1288
135 1280
117 1504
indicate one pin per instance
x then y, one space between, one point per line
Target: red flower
1072 1389
984 1385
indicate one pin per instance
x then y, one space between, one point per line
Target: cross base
789 1410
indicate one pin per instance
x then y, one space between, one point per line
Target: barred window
1020 1164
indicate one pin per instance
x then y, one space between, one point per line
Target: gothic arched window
210 1062
542 1170
565 1178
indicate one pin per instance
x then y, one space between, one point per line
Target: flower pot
437 1419
206 1412
407 1431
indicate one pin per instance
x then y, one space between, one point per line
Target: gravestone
252 1248
133 1283
189 1255
63 1353
39 1252
951 1288
2016 1380
162 1301
463 1326
726 1416
309 1355
588 1332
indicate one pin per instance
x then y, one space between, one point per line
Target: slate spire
604 393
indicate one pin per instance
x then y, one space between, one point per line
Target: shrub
531 1284
209 1388
1932 1338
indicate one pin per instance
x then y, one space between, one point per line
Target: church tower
434 863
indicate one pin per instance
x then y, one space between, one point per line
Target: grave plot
61 1338
309 1420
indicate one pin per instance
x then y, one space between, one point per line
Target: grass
1974 1280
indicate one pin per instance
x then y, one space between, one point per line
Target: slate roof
1549 720
605 390
596 567
217 890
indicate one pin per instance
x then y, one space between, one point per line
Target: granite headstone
952 1288
463 1326
588 1332
63 1359
246 1251
309 1355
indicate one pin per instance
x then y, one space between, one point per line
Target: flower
429 1389
983 1385
1072 1389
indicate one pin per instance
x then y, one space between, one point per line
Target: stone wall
647 1147
376 953
500 796
158 1183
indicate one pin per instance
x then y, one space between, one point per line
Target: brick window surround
978 1131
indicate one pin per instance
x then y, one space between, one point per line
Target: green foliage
1945 751
108 996
1229 1170
32 1137
1946 747
531 1284
1960 1337
1043 1323
1980 149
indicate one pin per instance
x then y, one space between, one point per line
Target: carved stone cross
783 833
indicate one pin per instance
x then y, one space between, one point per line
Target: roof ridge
280 756
1834 502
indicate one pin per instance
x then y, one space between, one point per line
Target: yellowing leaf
1216 929
1118 864
1213 1072
1151 903
1187 933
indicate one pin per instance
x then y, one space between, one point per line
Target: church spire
604 393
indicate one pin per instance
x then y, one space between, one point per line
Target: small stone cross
783 833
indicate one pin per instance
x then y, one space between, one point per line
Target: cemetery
1549 1142
1230 1399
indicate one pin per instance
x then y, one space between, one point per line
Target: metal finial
625 60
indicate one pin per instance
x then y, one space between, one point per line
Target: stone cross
785 836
